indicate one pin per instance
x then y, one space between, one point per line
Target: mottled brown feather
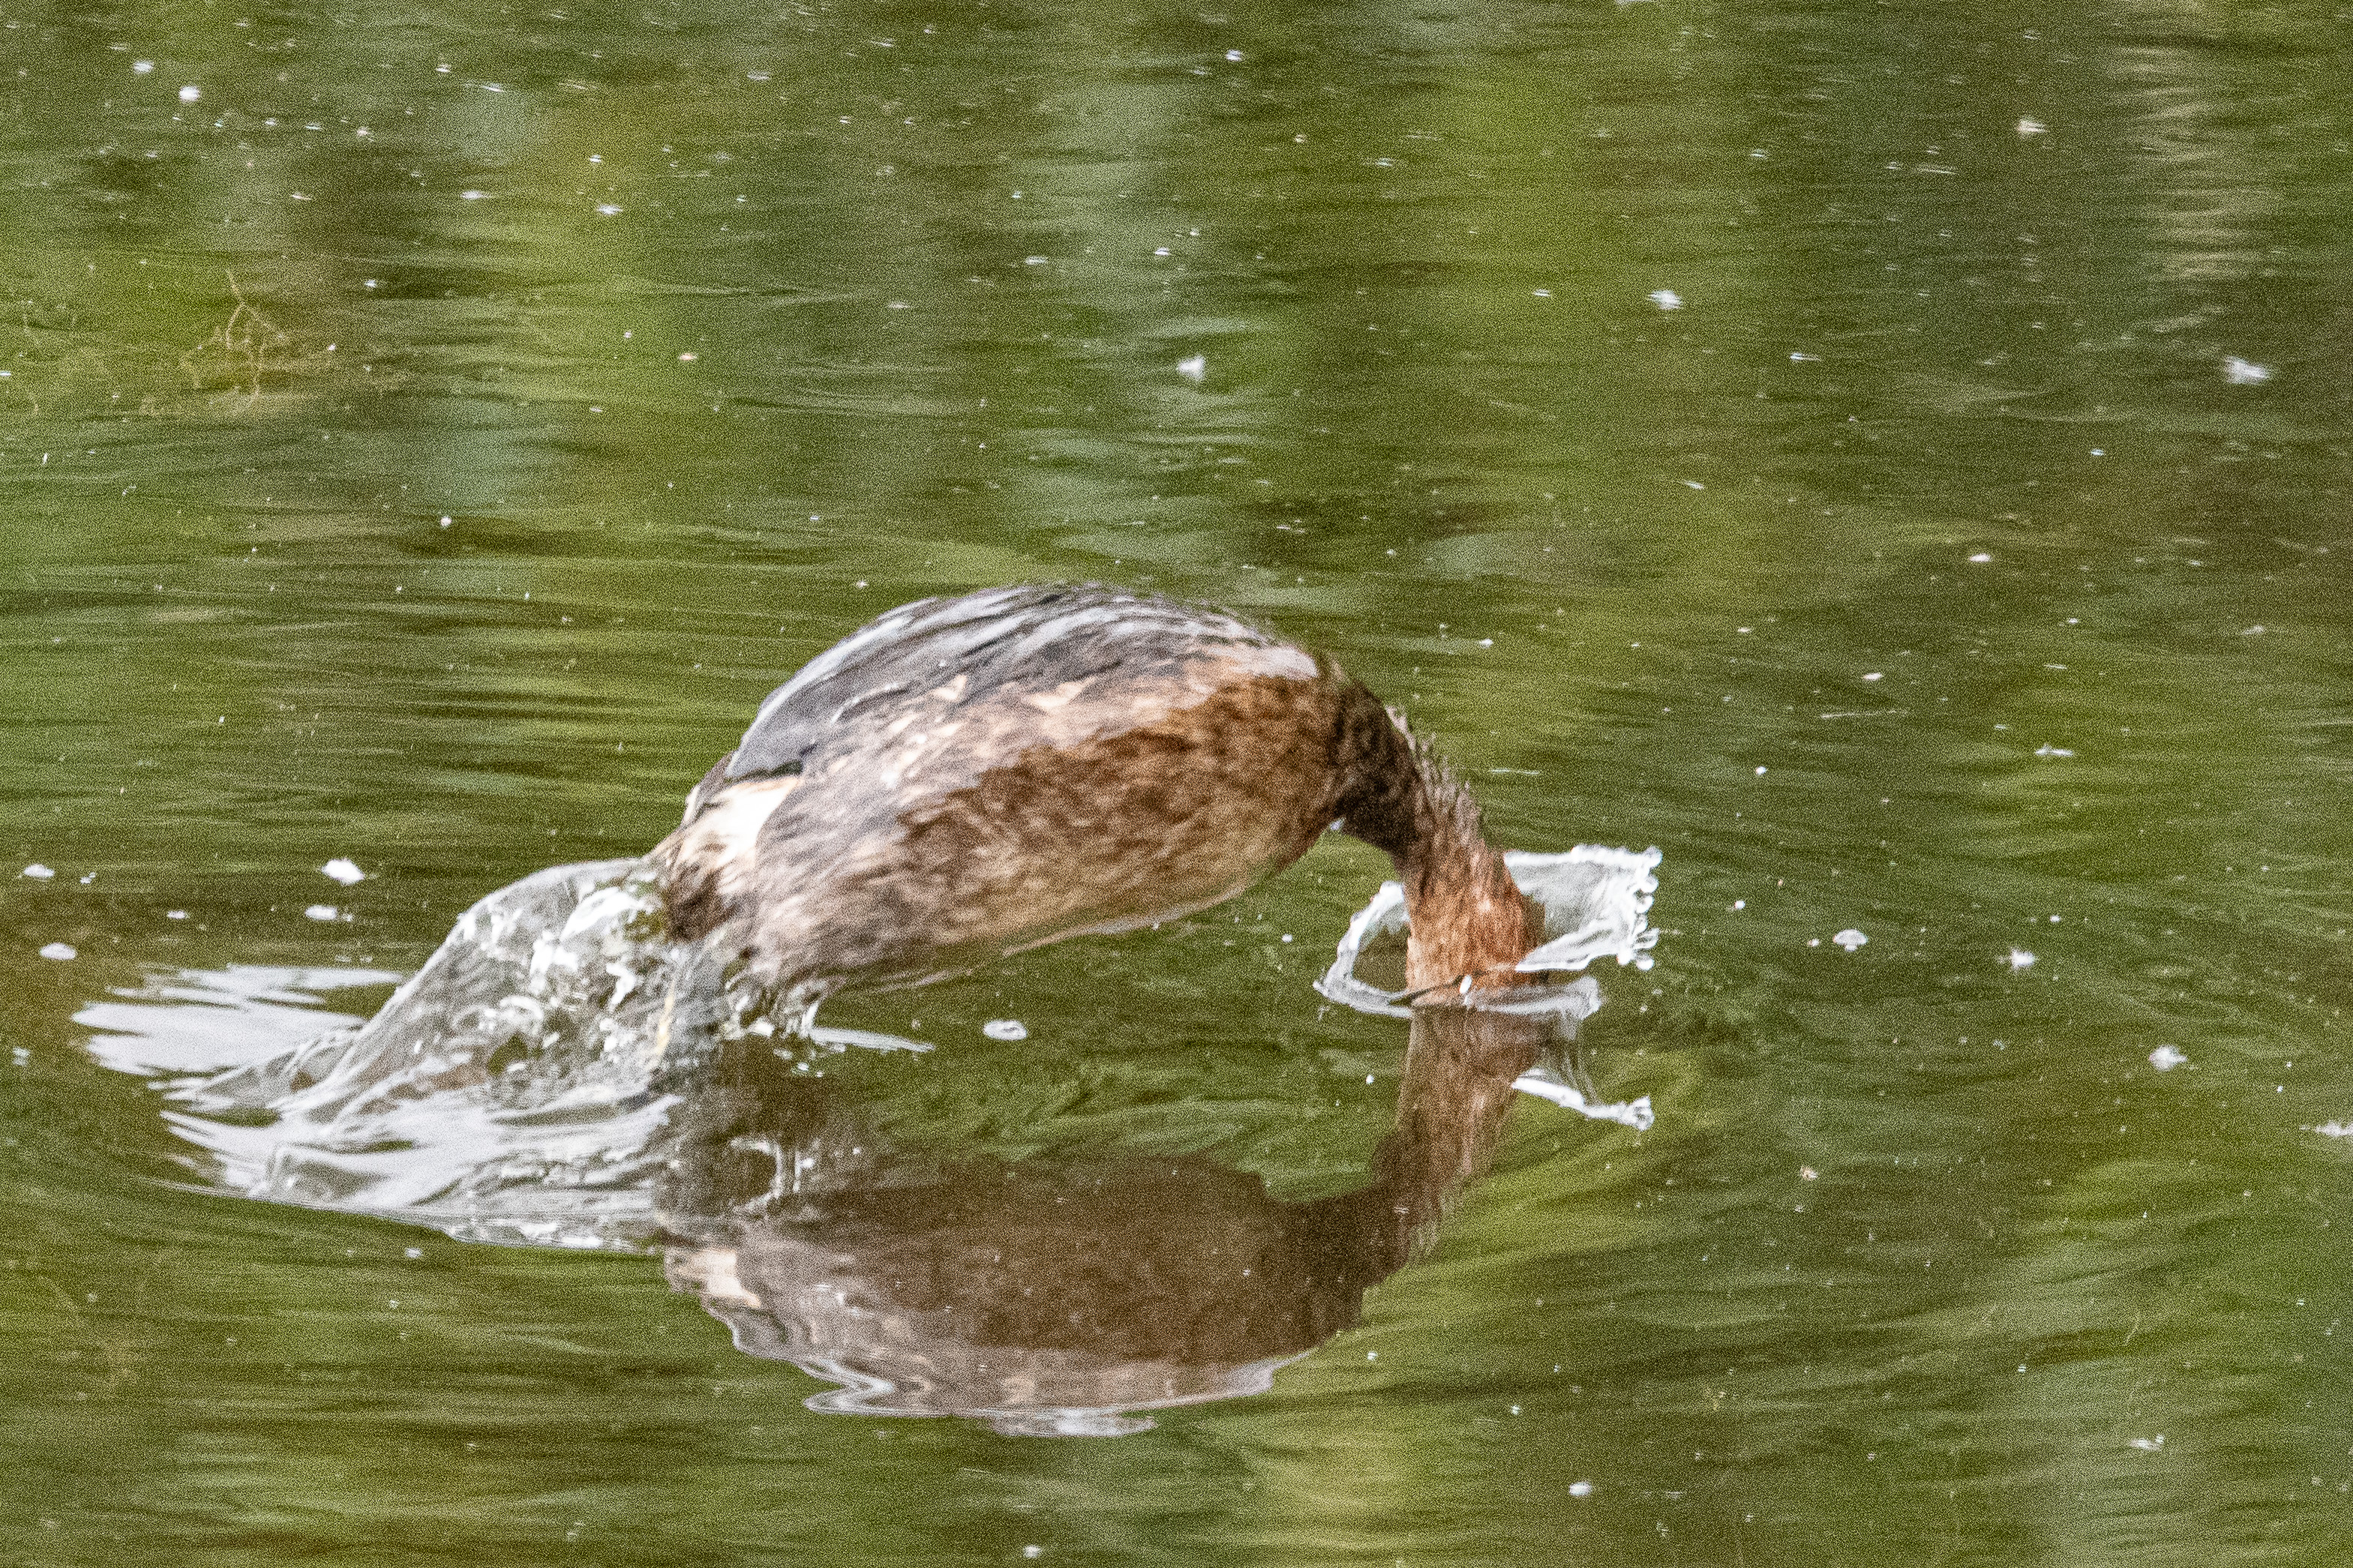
1123 759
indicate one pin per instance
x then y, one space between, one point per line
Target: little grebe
966 777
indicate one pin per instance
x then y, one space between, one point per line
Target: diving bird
966 777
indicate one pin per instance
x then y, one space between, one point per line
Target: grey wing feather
1025 638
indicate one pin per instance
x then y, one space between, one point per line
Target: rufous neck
1465 915
1452 1107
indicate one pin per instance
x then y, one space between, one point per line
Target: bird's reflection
1059 1297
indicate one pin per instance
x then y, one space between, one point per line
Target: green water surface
1892 458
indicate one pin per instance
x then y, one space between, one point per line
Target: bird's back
967 777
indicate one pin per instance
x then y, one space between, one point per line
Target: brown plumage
1033 1291
966 777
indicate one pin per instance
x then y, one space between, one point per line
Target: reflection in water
562 1073
1057 1298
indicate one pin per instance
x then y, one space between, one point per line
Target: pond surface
1892 459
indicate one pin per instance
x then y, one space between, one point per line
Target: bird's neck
1465 915
1451 1106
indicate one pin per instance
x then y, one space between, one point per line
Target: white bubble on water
2147 1445
2335 1129
1581 1489
38 872
1850 939
1980 558
607 209
190 93
58 951
1665 299
140 68
1006 1029
1194 368
2165 1058
2244 372
343 870
2049 751
2021 959
323 912
2028 126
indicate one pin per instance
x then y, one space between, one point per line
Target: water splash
509 1091
562 1073
1595 902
